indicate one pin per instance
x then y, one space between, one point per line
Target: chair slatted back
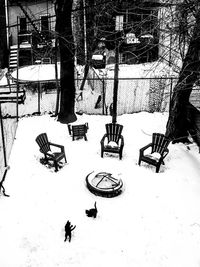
113 131
42 141
79 130
160 143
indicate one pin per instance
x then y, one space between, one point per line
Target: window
22 25
142 23
141 20
44 24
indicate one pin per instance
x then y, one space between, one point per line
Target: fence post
103 100
39 97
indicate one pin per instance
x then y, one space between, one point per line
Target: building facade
133 26
30 31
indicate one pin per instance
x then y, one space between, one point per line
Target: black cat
68 230
92 212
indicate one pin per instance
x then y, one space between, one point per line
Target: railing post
17 94
3 139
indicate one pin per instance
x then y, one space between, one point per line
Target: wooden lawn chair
45 148
112 141
78 131
158 151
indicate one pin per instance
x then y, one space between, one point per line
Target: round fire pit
104 184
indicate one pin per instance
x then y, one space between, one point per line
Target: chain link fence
8 127
134 95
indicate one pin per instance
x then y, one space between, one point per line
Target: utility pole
118 29
116 82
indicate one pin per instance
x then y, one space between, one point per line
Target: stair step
13 58
12 63
13 55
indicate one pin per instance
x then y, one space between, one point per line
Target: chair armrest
56 145
103 139
145 147
165 153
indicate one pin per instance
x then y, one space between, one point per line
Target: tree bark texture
177 125
78 30
63 9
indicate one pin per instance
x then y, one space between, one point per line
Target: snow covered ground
155 222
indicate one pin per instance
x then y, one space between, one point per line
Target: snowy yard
155 222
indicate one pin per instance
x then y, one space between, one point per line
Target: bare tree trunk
177 125
91 37
63 10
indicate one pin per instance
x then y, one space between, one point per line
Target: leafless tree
180 26
188 24
63 10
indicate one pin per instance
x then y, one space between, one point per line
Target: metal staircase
29 15
13 59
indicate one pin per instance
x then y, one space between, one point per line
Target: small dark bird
92 212
68 230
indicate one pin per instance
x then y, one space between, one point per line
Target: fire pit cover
104 184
